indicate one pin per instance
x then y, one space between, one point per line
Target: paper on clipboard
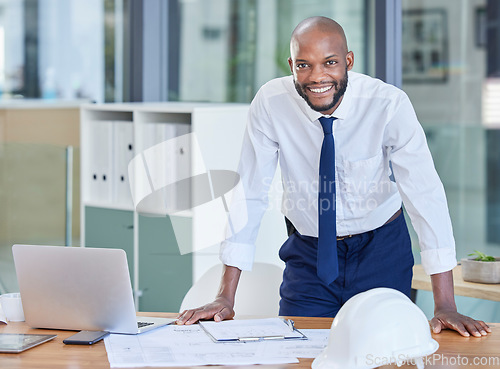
251 330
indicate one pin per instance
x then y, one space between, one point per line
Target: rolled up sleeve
239 255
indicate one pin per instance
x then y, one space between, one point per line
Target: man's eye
331 62
301 65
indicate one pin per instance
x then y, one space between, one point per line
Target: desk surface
56 355
422 281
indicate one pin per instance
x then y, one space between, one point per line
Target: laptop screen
75 288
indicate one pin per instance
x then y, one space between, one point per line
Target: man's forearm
442 288
445 310
222 307
229 283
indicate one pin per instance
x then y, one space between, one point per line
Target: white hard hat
374 328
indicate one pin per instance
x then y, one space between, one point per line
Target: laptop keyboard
143 324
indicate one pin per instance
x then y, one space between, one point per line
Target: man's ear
290 63
349 58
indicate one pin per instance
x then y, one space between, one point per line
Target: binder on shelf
159 167
161 171
100 161
123 153
182 156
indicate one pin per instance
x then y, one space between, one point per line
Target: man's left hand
464 325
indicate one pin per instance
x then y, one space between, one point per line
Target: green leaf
481 256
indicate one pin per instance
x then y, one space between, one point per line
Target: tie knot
327 123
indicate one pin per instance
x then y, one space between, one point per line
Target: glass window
231 48
49 50
444 70
448 65
70 52
52 49
12 47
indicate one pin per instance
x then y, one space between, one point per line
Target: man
324 109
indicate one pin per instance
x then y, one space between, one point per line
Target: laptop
78 288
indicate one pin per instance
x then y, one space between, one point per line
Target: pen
246 339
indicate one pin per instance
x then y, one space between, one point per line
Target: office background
443 54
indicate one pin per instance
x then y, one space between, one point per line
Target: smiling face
319 63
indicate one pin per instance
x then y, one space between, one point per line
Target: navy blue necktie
327 263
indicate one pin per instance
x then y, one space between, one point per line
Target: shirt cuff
438 260
239 255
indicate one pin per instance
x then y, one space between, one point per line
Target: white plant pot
481 271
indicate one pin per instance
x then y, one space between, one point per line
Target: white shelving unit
112 134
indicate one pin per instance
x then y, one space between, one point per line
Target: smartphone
85 338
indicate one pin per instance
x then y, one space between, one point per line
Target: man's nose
318 74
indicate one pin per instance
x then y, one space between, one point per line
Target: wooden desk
56 355
422 281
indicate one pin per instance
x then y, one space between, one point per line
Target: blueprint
189 345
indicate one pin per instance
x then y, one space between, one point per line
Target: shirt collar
341 112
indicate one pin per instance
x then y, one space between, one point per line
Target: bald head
319 61
320 27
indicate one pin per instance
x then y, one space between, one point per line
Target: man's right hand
220 309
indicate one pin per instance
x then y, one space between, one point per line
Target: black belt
291 228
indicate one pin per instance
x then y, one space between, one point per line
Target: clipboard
251 330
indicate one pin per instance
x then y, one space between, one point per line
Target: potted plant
481 268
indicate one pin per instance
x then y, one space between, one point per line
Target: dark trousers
378 258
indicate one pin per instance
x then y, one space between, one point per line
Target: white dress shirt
375 124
